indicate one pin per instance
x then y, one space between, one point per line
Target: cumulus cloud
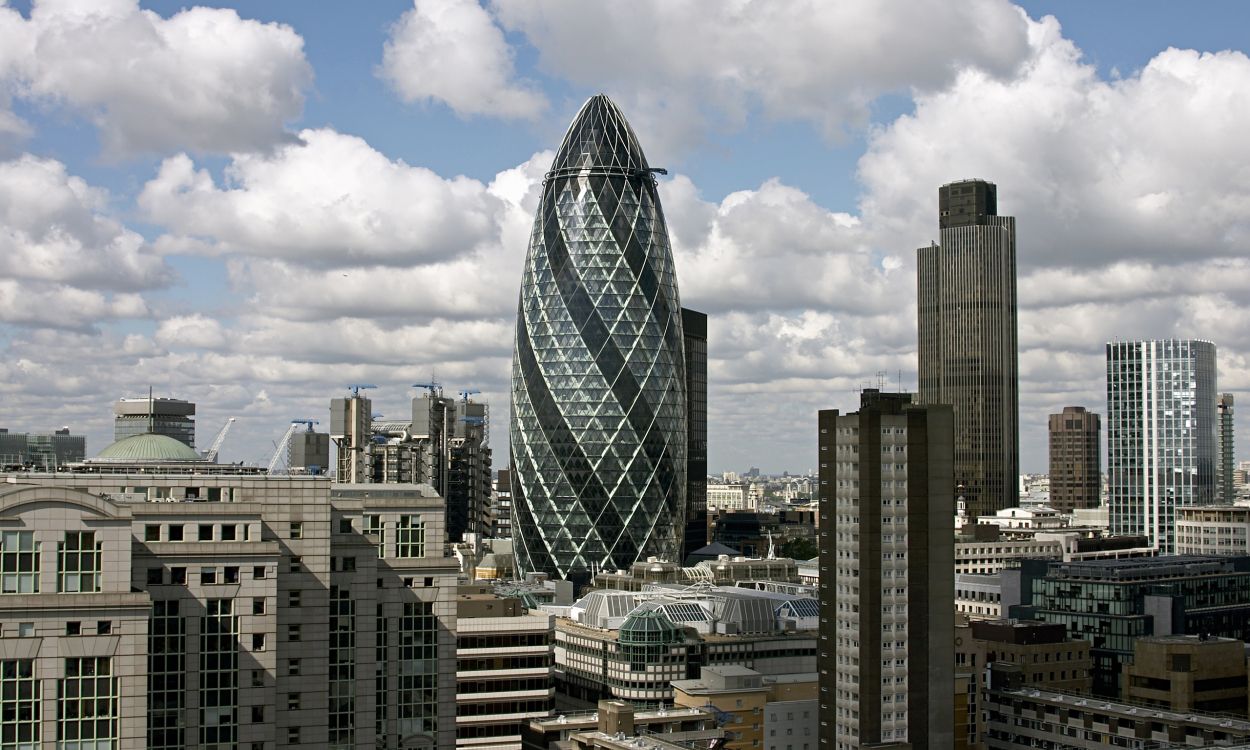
203 79
676 64
451 51
53 229
330 199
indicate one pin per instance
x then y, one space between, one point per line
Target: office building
1225 490
886 574
616 719
1075 459
503 668
469 485
967 325
171 417
694 328
154 599
501 506
1162 433
40 451
1186 673
1113 603
1220 530
758 711
598 373
309 453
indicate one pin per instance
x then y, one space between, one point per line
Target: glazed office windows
19 562
78 562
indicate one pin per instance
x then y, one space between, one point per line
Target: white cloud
191 332
679 65
53 228
452 52
329 200
203 79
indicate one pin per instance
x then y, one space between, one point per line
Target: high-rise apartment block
1075 459
886 574
694 326
172 417
1226 458
1162 433
598 371
967 325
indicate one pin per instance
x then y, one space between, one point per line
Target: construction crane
356 388
434 387
468 392
285 444
210 455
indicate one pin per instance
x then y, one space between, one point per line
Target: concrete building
979 597
40 451
1028 717
1075 459
1113 603
966 302
469 485
694 328
755 710
501 506
625 725
1042 653
729 497
1220 530
886 577
504 666
1162 432
309 453
171 417
1188 673
1226 456
180 603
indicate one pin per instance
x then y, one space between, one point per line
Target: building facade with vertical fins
1225 490
1162 431
598 370
967 330
1075 459
887 561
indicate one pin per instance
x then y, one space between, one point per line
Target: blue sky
166 223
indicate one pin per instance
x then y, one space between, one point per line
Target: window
297 530
20 696
155 576
78 562
373 525
258 605
345 525
295 565
258 678
87 703
206 532
152 533
293 598
26 629
258 714
258 641
208 576
292 701
229 532
178 576
293 633
292 667
292 736
232 574
349 565
410 536
19 562
175 532
104 627
73 628
258 572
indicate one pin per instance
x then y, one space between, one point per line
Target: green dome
649 626
148 447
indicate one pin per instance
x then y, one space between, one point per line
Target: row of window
78 562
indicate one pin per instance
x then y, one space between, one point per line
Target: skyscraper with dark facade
1227 460
887 570
598 371
1075 460
694 325
1162 433
967 326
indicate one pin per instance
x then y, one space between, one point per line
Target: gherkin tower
598 371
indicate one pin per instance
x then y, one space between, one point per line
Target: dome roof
148 447
649 626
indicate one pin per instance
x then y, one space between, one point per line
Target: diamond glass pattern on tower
598 370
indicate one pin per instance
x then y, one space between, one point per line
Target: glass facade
1162 432
20 703
598 370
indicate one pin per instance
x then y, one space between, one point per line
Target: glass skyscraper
1161 434
598 370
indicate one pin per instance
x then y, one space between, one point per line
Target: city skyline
364 219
